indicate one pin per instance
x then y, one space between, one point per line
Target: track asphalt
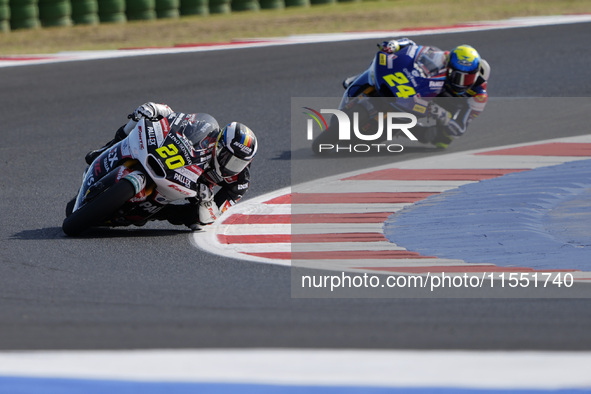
151 289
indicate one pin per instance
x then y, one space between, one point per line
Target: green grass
356 16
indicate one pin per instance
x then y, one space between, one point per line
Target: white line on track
393 186
22 60
368 368
286 209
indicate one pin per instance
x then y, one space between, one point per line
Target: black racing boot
93 154
180 214
442 139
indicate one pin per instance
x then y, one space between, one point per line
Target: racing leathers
453 115
208 206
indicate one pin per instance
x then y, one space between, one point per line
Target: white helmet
235 148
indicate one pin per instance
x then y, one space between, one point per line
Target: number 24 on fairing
401 80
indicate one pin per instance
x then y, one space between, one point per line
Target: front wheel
98 209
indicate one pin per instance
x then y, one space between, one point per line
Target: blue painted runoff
27 385
539 218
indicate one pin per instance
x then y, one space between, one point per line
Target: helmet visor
229 164
461 80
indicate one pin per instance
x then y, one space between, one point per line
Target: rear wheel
327 138
98 209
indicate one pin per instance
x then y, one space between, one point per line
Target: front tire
99 208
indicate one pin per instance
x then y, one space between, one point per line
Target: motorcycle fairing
158 149
162 155
406 73
413 76
106 162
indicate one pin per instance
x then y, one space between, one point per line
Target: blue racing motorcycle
405 81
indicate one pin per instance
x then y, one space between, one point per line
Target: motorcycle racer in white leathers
231 151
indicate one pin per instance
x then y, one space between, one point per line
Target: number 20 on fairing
173 160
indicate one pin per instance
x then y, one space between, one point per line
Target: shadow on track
285 155
103 232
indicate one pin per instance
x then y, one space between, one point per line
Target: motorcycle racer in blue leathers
465 76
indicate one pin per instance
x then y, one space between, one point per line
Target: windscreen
432 61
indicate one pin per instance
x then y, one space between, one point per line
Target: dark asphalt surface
150 288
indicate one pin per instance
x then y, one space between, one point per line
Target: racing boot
93 154
425 135
442 139
185 214
347 82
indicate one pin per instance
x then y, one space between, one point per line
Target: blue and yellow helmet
463 64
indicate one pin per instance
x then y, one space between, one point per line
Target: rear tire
99 209
329 136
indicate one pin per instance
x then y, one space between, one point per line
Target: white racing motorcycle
134 179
